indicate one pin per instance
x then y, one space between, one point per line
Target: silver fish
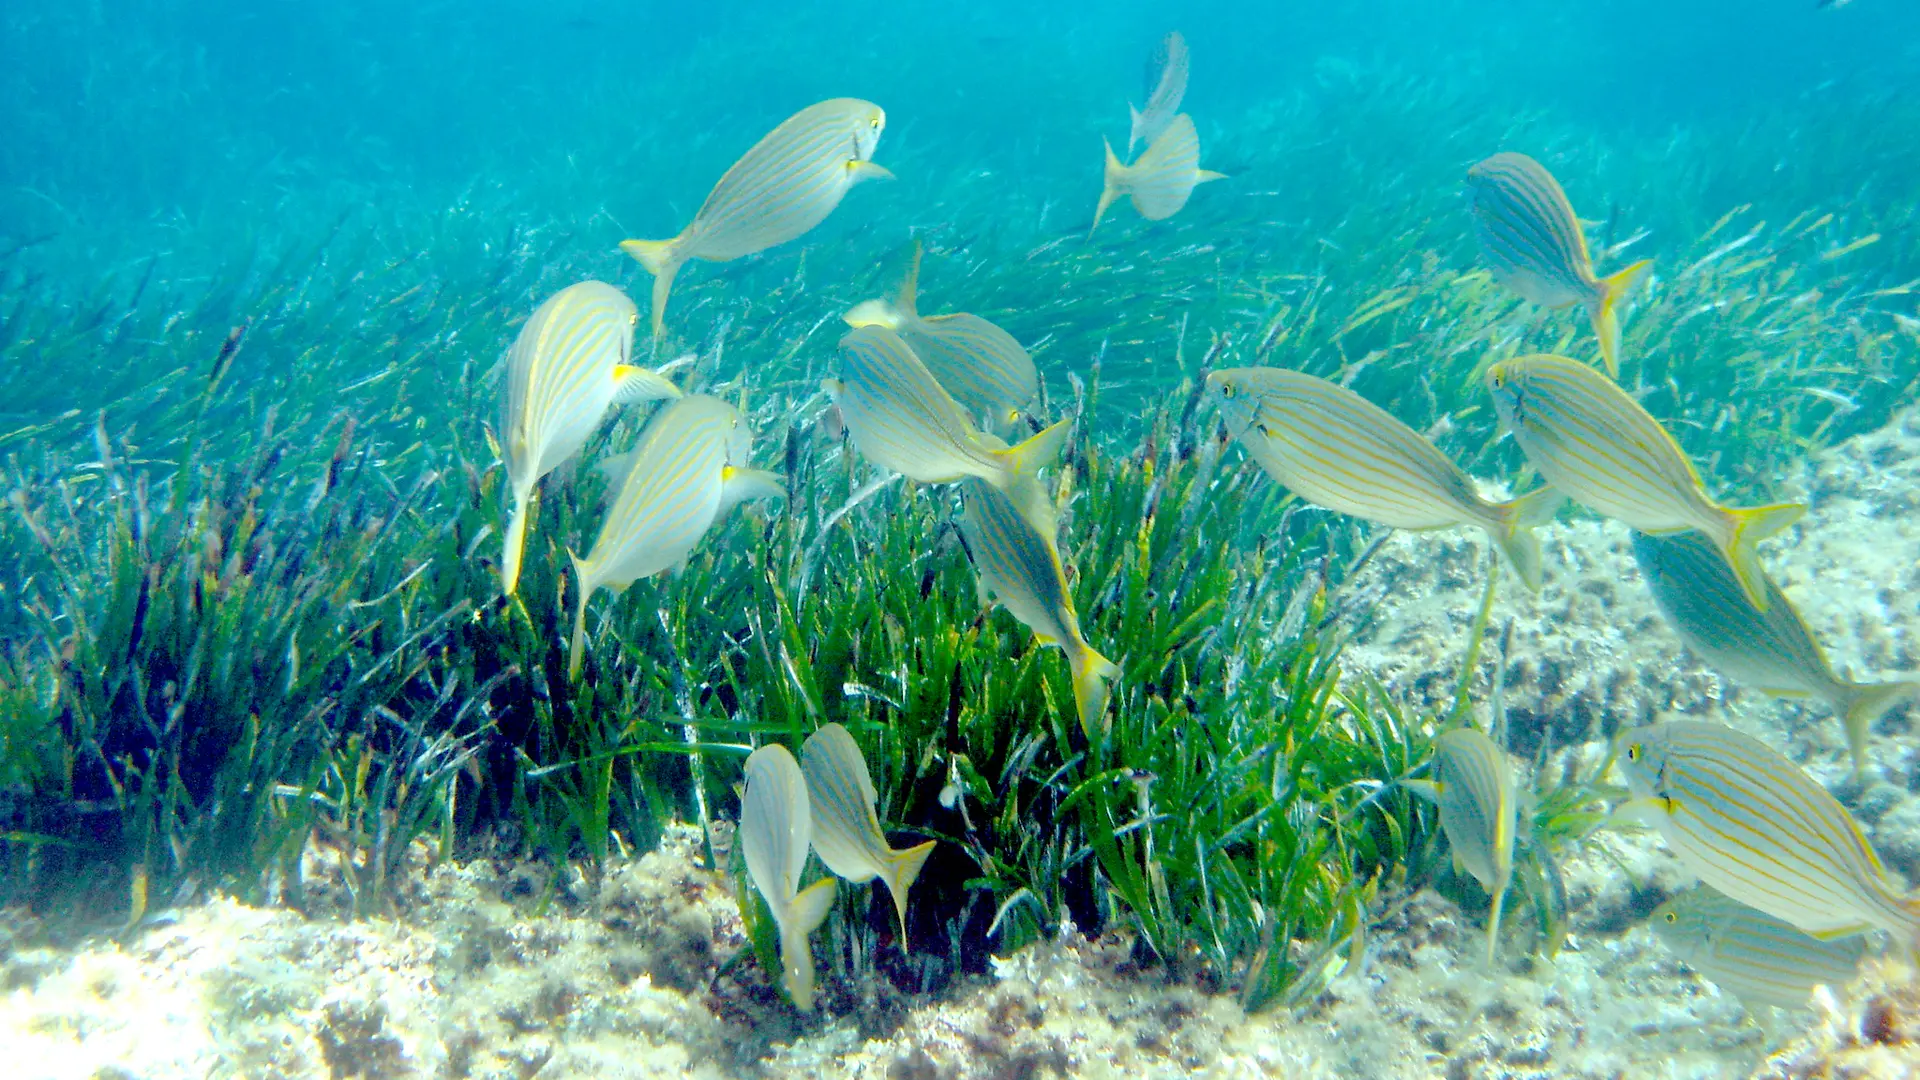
1161 179
1474 785
1750 954
776 823
1167 86
846 832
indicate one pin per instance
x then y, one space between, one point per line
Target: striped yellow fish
787 184
902 419
1473 784
1162 178
776 823
1336 449
567 367
978 363
688 469
1592 441
1757 958
1167 85
1534 245
1771 650
846 832
1015 552
1756 827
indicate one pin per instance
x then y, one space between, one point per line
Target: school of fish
1790 885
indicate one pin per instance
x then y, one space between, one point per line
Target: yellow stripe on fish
981 365
780 189
688 468
1588 438
902 419
776 825
1750 954
846 831
1756 827
1015 552
566 368
1336 449
1473 784
1532 241
1166 86
1771 650
1161 179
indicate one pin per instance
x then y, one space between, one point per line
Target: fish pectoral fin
1645 812
867 170
812 905
740 485
1429 790
1205 175
632 383
616 467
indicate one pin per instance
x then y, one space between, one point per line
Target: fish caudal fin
1025 460
632 383
1606 311
662 258
577 654
809 910
1750 526
1113 186
1493 926
1860 704
1093 677
516 541
902 868
1513 534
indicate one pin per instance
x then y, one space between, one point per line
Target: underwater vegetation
256 595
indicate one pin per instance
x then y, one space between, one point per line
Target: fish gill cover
260 268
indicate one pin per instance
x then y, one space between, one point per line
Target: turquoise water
259 267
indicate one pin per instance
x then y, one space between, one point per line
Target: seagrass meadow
250 385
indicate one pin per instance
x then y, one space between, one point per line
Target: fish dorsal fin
908 298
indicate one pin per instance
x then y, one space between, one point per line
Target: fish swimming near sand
981 365
776 826
1770 650
1755 827
688 468
1015 552
1532 241
1336 449
1757 958
1166 86
1473 784
1588 438
1161 179
846 831
902 419
566 369
780 189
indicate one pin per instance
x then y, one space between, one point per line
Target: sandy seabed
629 976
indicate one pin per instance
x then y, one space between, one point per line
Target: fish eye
1633 752
1227 390
633 319
874 123
1672 918
1496 379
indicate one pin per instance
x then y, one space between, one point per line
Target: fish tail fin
1025 460
577 653
1863 703
1114 182
810 909
1093 677
1750 526
516 541
1513 532
908 298
902 868
1493 926
1606 311
662 258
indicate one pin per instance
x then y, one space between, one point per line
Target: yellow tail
902 868
516 541
808 910
1493 926
1093 677
1860 704
1606 311
577 654
663 259
1025 460
1750 526
1513 534
1115 181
